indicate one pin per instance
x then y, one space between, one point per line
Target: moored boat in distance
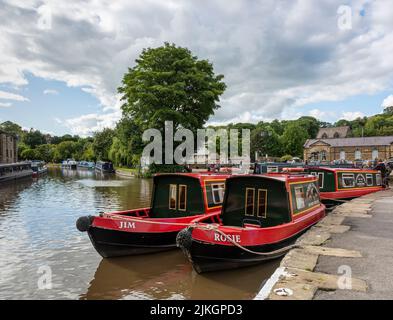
86 165
105 167
177 199
69 164
39 168
14 171
337 184
262 216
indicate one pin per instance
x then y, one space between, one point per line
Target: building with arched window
334 144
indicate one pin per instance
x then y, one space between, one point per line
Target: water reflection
37 228
168 275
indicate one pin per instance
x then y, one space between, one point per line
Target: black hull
214 257
113 243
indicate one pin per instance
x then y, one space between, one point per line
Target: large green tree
294 138
170 83
102 143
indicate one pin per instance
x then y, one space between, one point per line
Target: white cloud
276 57
5 104
388 101
352 115
12 96
88 124
51 91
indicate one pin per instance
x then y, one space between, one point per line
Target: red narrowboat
337 184
177 199
262 216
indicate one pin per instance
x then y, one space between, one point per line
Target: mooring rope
209 227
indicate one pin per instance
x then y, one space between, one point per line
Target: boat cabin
341 179
268 200
13 171
274 167
186 194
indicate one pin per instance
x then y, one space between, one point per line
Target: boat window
182 197
321 179
370 180
348 180
378 179
262 203
172 196
300 198
360 180
218 192
271 169
250 197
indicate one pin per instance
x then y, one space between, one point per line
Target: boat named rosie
177 199
262 216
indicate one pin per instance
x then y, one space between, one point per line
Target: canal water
43 256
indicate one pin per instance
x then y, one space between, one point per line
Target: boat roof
281 176
202 176
338 169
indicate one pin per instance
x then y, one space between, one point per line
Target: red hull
348 194
255 236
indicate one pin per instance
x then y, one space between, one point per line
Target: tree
293 139
265 140
28 154
169 83
64 150
102 143
45 152
11 127
310 124
34 138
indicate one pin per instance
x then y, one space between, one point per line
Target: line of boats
103 166
224 221
22 170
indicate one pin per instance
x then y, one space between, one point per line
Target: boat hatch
176 196
257 201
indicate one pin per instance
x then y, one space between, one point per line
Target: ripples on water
37 228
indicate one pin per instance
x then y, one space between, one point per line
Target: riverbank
345 256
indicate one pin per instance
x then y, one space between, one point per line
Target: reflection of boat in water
86 165
10 191
168 275
39 168
69 164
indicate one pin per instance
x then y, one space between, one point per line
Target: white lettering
227 238
127 225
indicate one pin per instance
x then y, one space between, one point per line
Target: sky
62 61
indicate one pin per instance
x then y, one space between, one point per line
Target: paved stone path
348 255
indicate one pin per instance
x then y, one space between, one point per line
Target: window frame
304 198
213 185
353 178
259 215
321 174
368 175
246 201
185 197
170 196
378 178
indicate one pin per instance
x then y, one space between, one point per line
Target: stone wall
333 153
8 148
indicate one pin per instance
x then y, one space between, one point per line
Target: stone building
333 144
8 148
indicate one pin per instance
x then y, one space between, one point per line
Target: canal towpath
346 256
